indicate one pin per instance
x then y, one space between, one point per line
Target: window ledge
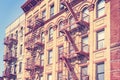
99 17
60 36
99 50
50 41
49 64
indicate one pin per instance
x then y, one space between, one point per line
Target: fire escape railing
81 25
9 74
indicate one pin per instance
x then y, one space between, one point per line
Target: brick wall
115 39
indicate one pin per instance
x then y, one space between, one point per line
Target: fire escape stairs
80 24
67 4
70 68
69 38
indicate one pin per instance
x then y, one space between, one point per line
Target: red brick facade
115 38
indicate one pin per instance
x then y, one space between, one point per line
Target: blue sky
9 11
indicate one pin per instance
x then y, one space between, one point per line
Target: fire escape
10 57
34 45
82 26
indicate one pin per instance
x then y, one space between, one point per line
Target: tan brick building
67 40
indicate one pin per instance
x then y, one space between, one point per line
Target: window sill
50 41
99 50
49 64
99 17
60 36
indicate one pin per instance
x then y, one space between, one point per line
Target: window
20 67
16 35
60 51
21 31
50 34
15 49
100 8
100 71
71 21
70 76
41 77
100 39
21 48
44 14
59 76
51 10
85 14
49 77
29 24
42 59
71 49
61 25
50 56
84 73
62 7
85 44
42 37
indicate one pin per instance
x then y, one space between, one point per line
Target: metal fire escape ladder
69 38
70 68
67 4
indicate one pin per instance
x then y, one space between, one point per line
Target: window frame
51 33
50 52
42 59
102 8
44 14
61 25
71 49
101 63
85 14
71 21
52 6
42 37
97 39
84 44
62 7
20 67
60 51
59 75
49 75
83 76
21 49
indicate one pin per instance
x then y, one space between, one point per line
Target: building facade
14 50
68 40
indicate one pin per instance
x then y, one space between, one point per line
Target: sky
9 11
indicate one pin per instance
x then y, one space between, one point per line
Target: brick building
66 40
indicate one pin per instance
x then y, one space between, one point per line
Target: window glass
84 72
100 8
49 56
42 37
100 39
100 71
20 67
62 7
71 21
49 77
60 51
44 14
21 46
51 33
51 10
85 14
71 49
70 76
85 44
59 76
61 25
42 59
